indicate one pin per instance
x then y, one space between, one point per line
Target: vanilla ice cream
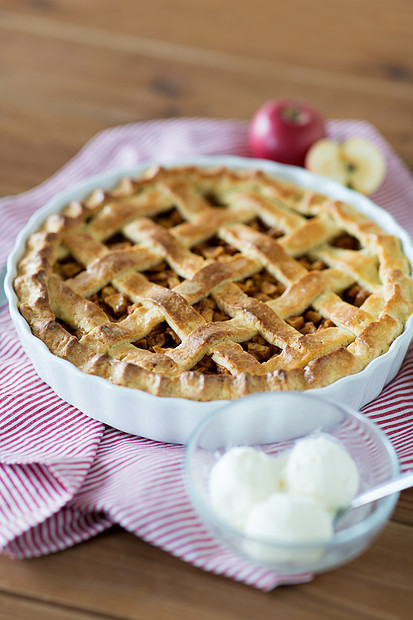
320 468
241 478
288 498
287 518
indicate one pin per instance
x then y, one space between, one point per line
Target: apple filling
262 286
118 242
209 310
260 226
214 200
67 268
312 265
355 295
309 322
163 275
214 249
169 219
346 242
259 348
160 337
207 366
116 305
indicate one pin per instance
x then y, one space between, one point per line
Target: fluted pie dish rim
171 418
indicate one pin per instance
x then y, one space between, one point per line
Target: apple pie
211 284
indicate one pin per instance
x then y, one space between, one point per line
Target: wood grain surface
70 68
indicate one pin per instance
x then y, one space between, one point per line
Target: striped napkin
65 477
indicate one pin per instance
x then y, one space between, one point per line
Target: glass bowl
273 423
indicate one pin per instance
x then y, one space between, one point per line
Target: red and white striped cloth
65 477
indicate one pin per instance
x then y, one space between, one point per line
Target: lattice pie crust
211 284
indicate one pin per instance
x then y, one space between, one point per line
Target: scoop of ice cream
320 468
242 477
287 518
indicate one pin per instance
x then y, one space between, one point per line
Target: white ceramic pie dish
173 419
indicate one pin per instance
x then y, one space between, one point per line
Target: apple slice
356 163
324 158
366 162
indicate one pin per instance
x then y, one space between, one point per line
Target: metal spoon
404 481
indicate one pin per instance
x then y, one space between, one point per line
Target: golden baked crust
211 284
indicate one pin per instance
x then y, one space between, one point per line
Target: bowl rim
370 524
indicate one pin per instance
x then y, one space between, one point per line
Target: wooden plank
403 512
365 38
117 574
61 94
20 608
316 73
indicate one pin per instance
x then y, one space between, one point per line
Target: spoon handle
404 481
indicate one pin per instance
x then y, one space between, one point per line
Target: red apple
284 130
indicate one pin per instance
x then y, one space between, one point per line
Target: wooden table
69 68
